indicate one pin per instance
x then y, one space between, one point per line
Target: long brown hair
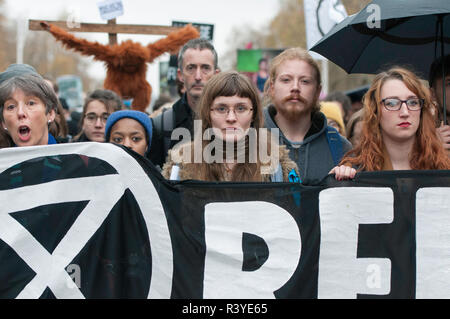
59 128
427 152
229 84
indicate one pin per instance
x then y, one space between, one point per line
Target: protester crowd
400 125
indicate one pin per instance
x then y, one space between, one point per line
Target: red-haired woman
398 128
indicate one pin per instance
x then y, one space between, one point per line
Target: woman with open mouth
398 130
229 140
27 108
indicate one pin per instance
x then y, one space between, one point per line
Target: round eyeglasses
240 110
92 117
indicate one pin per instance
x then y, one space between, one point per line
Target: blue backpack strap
335 144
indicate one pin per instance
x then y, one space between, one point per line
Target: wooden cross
111 28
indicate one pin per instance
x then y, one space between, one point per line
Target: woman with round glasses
230 146
398 128
97 107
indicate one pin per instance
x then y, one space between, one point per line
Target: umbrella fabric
408 35
357 93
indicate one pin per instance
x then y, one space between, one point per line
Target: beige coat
190 171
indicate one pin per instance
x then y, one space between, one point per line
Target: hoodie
312 156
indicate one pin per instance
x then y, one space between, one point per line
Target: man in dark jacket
294 89
197 63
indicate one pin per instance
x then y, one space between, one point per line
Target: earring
5 128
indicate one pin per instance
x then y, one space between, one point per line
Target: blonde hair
332 111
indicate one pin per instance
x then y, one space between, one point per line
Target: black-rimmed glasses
394 104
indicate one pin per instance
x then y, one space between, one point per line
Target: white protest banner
320 17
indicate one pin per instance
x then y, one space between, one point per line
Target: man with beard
197 63
294 87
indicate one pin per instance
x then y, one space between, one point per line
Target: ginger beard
295 90
295 106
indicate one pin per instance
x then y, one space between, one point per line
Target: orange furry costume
126 63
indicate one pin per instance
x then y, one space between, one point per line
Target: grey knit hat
17 69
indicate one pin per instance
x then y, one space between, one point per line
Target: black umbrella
357 94
408 32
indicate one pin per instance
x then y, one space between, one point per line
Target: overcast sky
224 14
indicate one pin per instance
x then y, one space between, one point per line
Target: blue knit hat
141 117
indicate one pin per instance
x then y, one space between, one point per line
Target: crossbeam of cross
111 28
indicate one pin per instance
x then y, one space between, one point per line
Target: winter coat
190 170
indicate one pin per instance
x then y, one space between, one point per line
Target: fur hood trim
189 170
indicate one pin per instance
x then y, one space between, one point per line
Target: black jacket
183 116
